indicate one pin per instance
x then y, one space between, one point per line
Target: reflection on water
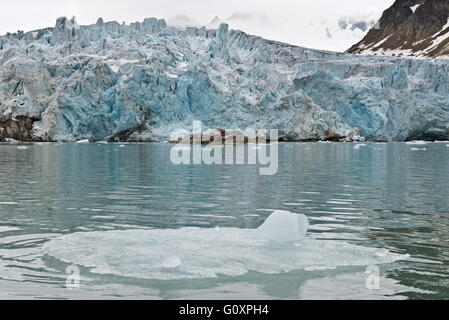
389 196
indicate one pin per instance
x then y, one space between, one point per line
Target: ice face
142 81
191 253
284 226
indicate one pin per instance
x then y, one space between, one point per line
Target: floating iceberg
419 143
358 146
418 149
277 246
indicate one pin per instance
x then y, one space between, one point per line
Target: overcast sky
311 23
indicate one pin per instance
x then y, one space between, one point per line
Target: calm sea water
119 208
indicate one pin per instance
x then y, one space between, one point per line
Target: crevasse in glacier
139 82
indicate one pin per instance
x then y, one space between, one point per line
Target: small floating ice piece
172 262
83 141
418 149
417 142
22 147
357 146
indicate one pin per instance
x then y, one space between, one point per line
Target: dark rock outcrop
19 129
409 28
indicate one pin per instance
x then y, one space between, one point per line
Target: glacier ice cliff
139 82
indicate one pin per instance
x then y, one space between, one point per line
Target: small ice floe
418 149
102 142
22 147
83 141
418 142
122 146
172 262
279 245
447 145
358 146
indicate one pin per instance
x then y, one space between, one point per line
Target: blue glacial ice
139 82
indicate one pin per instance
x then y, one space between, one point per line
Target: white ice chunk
172 262
418 149
358 146
284 226
417 142
83 141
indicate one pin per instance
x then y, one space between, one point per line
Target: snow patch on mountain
415 7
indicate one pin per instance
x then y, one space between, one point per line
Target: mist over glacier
139 82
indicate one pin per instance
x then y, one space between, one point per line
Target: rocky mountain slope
139 82
415 28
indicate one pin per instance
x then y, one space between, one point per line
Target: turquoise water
124 209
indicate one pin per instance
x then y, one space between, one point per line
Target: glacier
140 82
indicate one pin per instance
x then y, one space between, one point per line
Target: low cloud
315 24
